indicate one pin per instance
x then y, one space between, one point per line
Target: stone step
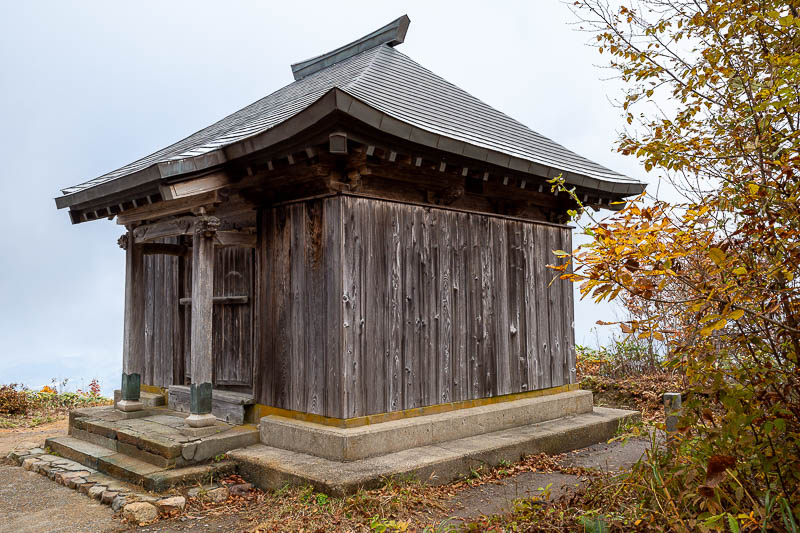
160 438
271 468
130 469
227 406
148 399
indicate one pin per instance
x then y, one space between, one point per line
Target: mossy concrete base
271 468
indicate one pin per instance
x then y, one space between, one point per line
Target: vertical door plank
500 295
395 315
568 313
518 361
554 295
543 310
458 267
314 309
532 345
334 361
297 328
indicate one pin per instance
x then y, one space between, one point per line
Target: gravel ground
30 502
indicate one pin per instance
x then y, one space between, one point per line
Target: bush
20 406
13 399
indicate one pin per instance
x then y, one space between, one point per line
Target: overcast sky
86 87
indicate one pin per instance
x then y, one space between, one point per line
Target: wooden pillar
133 333
202 310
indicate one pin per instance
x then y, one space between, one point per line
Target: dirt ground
30 502
498 498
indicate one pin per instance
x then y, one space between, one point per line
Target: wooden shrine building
368 239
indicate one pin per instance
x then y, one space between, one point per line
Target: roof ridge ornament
392 34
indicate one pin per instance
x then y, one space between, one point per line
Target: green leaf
733 523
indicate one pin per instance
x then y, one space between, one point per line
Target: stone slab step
160 438
148 399
272 468
130 469
227 406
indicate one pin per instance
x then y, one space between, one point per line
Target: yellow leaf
736 315
753 188
717 255
740 271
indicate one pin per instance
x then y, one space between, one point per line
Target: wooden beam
156 248
243 239
193 187
167 208
229 300
164 228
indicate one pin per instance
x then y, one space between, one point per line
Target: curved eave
332 101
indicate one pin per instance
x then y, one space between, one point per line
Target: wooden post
133 333
202 311
672 414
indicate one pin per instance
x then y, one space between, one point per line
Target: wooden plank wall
162 330
442 306
300 307
374 306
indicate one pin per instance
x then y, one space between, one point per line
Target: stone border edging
135 506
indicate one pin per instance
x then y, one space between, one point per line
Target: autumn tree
712 106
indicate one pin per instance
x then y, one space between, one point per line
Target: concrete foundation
352 444
271 468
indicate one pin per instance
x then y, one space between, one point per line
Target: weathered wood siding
233 327
162 329
373 306
300 307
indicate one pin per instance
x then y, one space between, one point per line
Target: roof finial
392 34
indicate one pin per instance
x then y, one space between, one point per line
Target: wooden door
232 320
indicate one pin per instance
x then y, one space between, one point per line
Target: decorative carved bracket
206 225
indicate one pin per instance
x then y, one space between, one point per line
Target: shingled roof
387 90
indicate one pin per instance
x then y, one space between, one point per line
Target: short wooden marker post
672 413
